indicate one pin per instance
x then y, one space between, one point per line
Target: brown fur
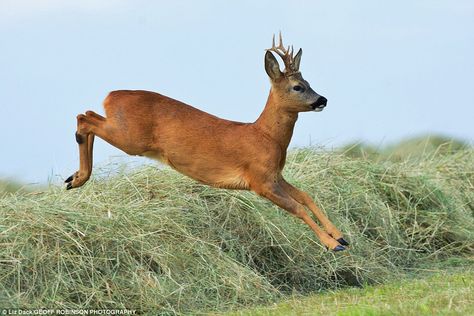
211 150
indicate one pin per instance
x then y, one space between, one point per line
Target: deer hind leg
86 124
303 198
90 147
278 195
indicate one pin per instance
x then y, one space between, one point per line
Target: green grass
155 241
417 148
8 186
444 293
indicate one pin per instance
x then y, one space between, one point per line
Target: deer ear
272 67
297 59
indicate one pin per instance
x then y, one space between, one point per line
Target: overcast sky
389 70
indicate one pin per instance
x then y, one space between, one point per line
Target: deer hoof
69 181
342 241
339 248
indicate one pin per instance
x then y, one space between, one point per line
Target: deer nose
320 103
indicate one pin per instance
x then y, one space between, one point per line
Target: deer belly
215 174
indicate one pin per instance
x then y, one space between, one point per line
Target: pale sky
389 70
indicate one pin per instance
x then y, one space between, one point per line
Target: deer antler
286 55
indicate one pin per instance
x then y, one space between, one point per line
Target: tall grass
154 240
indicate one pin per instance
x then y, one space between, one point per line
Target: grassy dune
153 240
417 148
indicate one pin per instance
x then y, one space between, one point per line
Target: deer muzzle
320 103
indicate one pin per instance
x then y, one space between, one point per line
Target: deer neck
277 122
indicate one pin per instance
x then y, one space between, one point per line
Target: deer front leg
276 193
304 198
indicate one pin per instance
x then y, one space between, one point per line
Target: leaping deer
211 150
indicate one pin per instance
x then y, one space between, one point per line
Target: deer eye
298 88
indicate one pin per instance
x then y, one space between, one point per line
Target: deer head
293 93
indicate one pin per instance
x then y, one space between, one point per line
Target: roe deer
211 150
